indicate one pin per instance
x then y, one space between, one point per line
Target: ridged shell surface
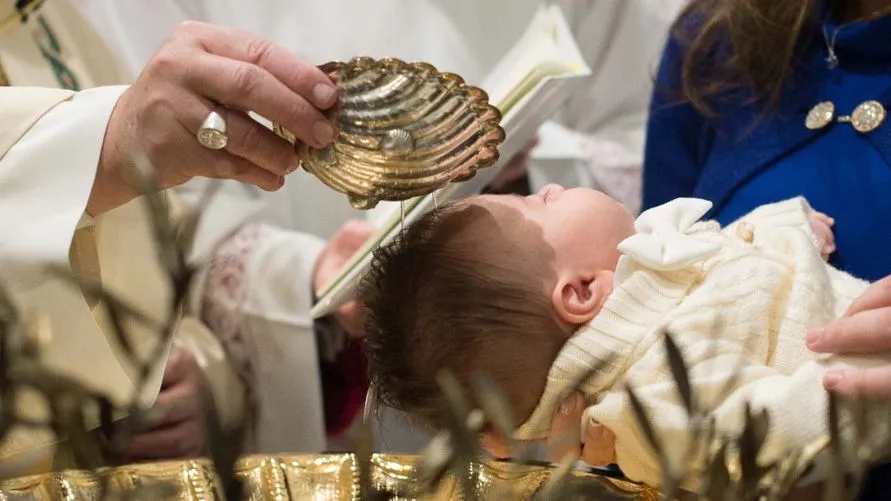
403 130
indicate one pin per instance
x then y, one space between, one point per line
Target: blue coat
741 160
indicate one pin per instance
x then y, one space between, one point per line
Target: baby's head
492 284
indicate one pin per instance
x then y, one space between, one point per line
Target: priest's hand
177 419
202 69
865 328
341 247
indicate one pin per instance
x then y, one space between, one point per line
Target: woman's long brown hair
749 45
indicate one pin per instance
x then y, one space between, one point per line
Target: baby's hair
458 290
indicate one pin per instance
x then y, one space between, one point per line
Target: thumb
600 445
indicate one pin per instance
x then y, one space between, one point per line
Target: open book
528 86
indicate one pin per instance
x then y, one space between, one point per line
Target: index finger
600 445
863 332
298 75
877 295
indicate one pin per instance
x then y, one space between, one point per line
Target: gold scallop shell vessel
403 130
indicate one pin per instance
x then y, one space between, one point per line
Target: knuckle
251 140
187 28
227 168
283 157
165 61
258 50
245 79
857 380
301 72
304 114
241 168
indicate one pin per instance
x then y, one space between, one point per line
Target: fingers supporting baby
600 445
878 295
866 331
568 428
496 445
865 328
875 381
565 437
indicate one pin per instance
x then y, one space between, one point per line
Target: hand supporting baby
822 226
864 328
564 438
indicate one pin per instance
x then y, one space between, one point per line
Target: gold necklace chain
11 20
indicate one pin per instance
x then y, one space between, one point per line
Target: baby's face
581 225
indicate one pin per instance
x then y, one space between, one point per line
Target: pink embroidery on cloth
224 293
225 289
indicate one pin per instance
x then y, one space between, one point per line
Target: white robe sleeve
50 144
256 296
47 173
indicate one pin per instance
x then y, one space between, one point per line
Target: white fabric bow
664 241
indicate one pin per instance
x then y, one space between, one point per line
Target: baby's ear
577 299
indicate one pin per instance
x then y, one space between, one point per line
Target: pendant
867 117
832 61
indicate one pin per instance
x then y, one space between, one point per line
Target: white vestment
621 40
50 143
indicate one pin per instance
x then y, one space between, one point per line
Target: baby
538 292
